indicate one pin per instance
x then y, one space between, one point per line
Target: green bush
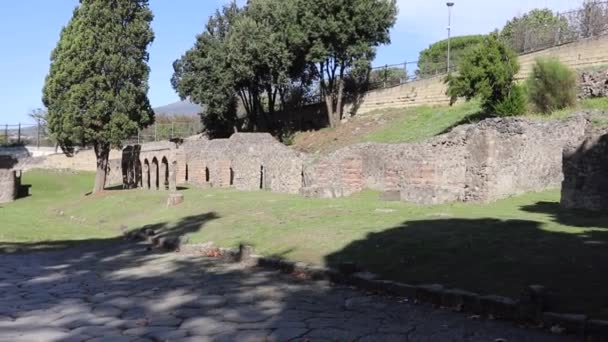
487 72
514 104
551 86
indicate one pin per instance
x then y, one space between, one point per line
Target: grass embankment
494 248
416 124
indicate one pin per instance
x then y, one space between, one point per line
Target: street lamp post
450 5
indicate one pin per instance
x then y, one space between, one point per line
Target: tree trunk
338 115
331 113
102 153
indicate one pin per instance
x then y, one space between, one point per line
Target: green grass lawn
494 248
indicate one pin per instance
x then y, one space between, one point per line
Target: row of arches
157 175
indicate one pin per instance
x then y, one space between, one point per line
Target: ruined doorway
154 179
164 174
262 176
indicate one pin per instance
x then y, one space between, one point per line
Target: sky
29 30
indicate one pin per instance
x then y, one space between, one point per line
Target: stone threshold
528 309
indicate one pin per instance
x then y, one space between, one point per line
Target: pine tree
96 90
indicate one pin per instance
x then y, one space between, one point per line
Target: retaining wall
431 92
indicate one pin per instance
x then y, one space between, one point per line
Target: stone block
245 253
175 199
391 196
571 323
431 294
532 302
460 299
499 307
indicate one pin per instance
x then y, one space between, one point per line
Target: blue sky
29 30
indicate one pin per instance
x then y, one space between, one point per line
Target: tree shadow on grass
490 256
571 217
118 290
180 230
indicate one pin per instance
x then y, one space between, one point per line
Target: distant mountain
180 108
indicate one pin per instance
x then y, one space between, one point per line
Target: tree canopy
96 89
433 59
270 52
486 72
537 29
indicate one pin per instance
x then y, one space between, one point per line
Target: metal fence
396 74
25 134
37 135
166 131
527 36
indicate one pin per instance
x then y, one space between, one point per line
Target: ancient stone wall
246 161
511 156
9 185
585 168
593 84
493 159
83 160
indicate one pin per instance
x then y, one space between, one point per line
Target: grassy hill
414 124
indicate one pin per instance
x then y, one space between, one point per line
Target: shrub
486 72
514 104
551 85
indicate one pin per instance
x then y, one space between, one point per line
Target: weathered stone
175 199
391 196
461 300
245 253
572 323
431 294
593 84
499 307
585 169
532 303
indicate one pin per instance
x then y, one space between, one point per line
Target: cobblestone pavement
122 292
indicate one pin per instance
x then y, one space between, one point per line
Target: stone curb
527 309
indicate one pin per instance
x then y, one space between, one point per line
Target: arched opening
138 174
146 174
231 177
154 179
262 177
207 175
186 175
164 181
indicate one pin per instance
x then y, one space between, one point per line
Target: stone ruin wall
508 157
493 159
585 168
9 181
245 161
593 84
490 160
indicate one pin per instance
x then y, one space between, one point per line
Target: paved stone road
121 292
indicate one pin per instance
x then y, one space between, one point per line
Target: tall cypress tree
96 90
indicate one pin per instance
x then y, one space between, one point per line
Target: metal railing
22 134
591 20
